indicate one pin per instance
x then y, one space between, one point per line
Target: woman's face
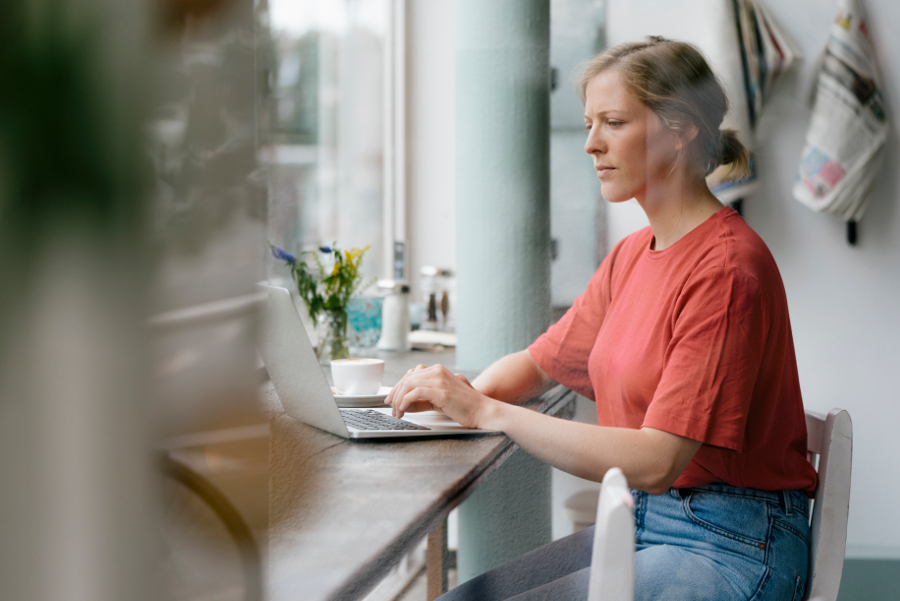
630 148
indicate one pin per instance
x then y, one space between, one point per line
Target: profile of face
630 148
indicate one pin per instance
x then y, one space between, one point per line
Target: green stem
339 342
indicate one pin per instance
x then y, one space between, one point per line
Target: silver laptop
304 392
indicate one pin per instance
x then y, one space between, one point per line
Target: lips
603 170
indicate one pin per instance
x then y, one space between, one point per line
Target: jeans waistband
789 500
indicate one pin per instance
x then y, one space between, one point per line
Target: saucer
363 400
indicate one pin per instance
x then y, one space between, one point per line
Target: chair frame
612 562
830 438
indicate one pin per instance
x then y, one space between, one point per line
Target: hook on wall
851 232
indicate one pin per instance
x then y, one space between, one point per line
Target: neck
676 206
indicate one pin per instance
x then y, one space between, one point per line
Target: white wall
843 300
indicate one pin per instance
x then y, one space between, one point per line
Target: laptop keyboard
375 420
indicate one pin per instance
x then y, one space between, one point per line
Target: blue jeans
715 542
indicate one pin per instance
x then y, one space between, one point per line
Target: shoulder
624 254
634 243
742 251
630 248
732 255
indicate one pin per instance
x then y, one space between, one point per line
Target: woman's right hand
436 388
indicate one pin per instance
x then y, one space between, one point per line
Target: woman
683 340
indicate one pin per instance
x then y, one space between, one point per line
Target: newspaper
766 54
845 142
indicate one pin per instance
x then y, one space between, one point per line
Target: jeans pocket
794 527
739 518
798 590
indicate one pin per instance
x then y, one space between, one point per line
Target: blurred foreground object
93 398
845 142
76 518
208 207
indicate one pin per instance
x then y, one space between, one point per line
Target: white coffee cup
357 377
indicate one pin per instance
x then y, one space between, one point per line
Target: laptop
304 392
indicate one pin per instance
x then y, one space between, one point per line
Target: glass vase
332 333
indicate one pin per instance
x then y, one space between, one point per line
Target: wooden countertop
342 512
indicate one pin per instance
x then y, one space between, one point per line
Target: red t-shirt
694 340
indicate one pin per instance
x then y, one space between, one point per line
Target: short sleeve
713 360
563 350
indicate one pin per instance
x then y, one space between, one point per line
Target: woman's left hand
437 388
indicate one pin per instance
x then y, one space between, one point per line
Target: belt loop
786 500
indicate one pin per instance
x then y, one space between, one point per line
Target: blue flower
280 253
325 249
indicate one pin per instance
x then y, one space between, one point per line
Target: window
328 123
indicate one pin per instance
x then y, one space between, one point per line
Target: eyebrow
604 113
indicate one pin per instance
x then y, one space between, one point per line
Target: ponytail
732 152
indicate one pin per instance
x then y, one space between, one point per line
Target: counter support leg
436 559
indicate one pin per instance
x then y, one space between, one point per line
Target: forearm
650 459
514 378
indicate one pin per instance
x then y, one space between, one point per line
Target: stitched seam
765 576
738 495
640 515
762 583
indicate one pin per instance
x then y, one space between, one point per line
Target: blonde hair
674 81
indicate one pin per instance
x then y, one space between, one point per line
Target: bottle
448 300
394 316
428 284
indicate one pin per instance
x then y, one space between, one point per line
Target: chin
614 196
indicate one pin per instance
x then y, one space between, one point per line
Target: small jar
394 315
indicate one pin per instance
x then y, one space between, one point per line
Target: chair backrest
612 564
830 437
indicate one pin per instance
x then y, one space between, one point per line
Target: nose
594 142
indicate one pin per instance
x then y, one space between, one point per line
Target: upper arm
515 377
545 382
675 453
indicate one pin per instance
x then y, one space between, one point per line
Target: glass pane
323 120
578 212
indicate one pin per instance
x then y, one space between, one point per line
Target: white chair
830 438
830 448
612 563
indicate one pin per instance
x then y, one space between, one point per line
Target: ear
686 138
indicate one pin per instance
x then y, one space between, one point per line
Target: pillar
502 177
502 243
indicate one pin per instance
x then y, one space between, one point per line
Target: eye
587 127
614 123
